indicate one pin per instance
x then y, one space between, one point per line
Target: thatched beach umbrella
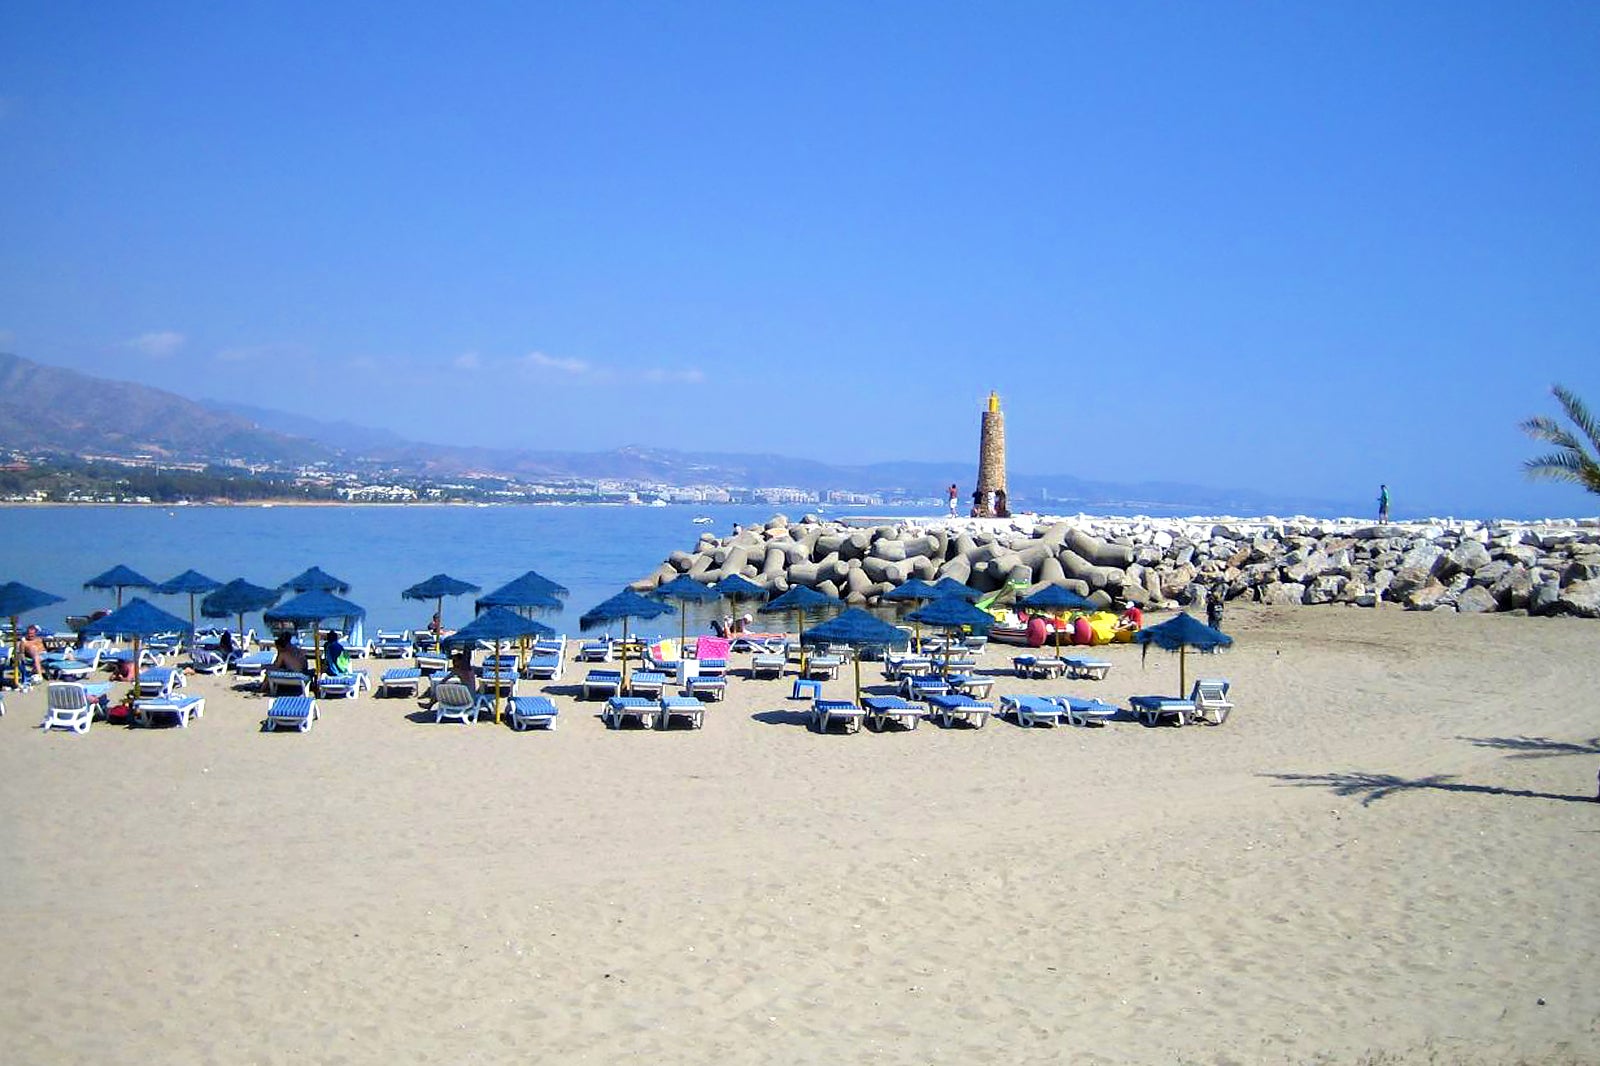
530 591
949 586
192 582
913 590
437 588
315 579
625 605
858 629
1180 634
800 600
950 613
236 599
17 599
1055 599
496 625
685 590
139 619
316 607
119 577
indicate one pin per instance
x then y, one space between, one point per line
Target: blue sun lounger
826 712
291 712
1029 711
881 710
1086 667
685 707
181 707
953 707
529 712
400 681
601 683
1152 709
620 709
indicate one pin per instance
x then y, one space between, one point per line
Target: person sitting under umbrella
461 671
289 656
32 645
334 657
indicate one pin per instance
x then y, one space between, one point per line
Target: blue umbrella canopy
238 597
1056 598
190 582
316 579
18 599
951 612
734 587
139 619
949 586
685 589
914 589
119 577
495 625
315 606
858 629
530 590
438 586
800 600
1180 634
620 608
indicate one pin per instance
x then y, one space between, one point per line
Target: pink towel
711 647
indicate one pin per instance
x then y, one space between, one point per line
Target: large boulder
1475 600
1283 594
1581 598
1469 555
1428 596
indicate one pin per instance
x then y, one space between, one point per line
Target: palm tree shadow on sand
1374 787
1537 747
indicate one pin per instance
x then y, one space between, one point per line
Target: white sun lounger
455 701
1152 709
954 707
684 707
1086 668
180 706
1210 699
67 707
620 709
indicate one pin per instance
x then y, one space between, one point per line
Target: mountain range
53 409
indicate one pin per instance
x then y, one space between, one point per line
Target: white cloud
159 344
690 376
467 361
539 360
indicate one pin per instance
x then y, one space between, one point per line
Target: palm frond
1578 415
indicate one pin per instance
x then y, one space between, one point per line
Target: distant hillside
51 408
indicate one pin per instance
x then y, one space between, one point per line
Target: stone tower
990 500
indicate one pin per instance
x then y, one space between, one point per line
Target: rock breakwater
1545 568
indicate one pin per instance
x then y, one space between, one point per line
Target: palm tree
1575 458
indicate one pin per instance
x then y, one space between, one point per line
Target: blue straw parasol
497 624
316 579
119 577
951 613
315 607
685 590
531 591
139 619
623 606
914 590
1054 598
800 600
858 629
17 599
949 586
437 588
192 582
238 598
1180 634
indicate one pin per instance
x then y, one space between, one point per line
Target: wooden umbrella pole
1183 674
857 658
627 689
496 681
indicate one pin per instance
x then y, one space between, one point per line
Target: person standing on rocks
953 496
1383 504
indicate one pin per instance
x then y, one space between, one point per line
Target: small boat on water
702 520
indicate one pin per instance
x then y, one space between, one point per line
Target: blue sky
1336 244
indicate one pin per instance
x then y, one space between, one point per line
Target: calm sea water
379 551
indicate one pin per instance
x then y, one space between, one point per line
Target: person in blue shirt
1383 504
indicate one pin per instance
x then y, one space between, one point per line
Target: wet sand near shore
1387 851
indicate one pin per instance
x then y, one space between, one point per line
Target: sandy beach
1387 854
